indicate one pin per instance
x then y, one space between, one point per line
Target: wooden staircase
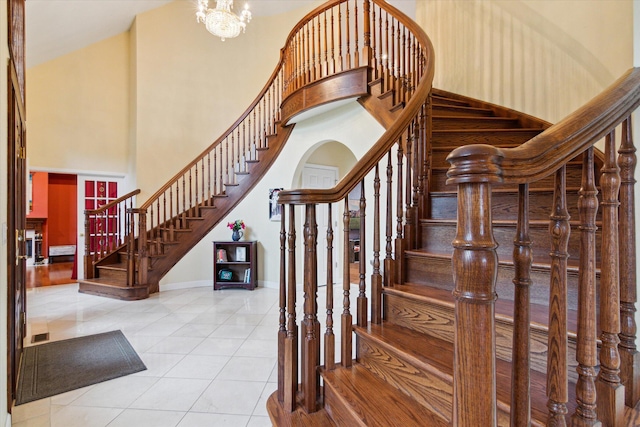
402 374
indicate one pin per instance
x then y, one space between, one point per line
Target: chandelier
221 21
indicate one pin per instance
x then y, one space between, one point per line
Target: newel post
143 254
475 268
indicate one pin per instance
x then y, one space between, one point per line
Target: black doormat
61 366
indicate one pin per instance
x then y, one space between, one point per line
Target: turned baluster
557 375
362 301
409 228
291 342
610 391
312 42
131 248
310 325
399 243
333 42
629 355
388 260
88 249
356 41
346 318
348 36
586 348
475 265
282 318
143 254
522 259
376 277
340 41
329 338
325 62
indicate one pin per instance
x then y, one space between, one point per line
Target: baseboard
8 423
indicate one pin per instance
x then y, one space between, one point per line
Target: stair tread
465 130
400 337
109 282
386 407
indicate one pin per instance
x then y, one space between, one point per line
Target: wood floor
49 274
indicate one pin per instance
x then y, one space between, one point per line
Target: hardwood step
459 137
430 269
299 418
462 122
457 110
423 359
430 311
107 287
504 204
443 100
349 401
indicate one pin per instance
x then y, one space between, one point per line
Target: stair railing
106 230
475 169
400 57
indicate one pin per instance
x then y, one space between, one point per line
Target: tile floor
210 358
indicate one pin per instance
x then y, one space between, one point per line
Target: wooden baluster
409 230
557 375
356 41
475 265
333 42
118 219
184 202
88 255
131 242
196 191
629 355
388 260
291 343
610 391
399 270
210 173
346 319
190 209
310 324
520 359
387 54
340 41
375 53
143 254
348 36
393 78
397 59
367 53
362 296
376 277
586 348
325 64
329 338
307 42
282 319
312 42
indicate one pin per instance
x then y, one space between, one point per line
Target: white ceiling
57 27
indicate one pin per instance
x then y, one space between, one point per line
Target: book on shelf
221 255
247 275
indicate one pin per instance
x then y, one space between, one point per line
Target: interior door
17 254
93 192
320 176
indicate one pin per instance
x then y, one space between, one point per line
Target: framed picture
274 208
241 254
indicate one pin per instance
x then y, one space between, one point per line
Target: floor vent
39 337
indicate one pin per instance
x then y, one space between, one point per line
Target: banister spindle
329 338
363 307
629 355
291 342
310 324
520 359
346 318
586 348
282 301
388 260
610 391
475 265
376 278
557 375
399 244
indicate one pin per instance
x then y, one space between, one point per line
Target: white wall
350 125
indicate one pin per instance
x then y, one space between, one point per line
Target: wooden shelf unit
232 261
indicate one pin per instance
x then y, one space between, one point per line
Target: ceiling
57 27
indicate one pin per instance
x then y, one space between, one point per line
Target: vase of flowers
236 227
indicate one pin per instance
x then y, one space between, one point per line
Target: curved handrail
388 138
548 151
112 203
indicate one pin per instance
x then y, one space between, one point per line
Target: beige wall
78 109
545 58
4 54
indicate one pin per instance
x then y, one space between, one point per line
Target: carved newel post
475 267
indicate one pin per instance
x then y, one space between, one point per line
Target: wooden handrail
387 140
548 151
112 203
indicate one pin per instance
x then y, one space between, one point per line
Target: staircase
501 290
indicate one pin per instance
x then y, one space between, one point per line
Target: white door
320 176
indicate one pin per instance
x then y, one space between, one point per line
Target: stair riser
441 123
438 320
438 237
504 205
454 111
449 101
437 272
439 178
459 137
431 389
116 275
337 410
125 294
